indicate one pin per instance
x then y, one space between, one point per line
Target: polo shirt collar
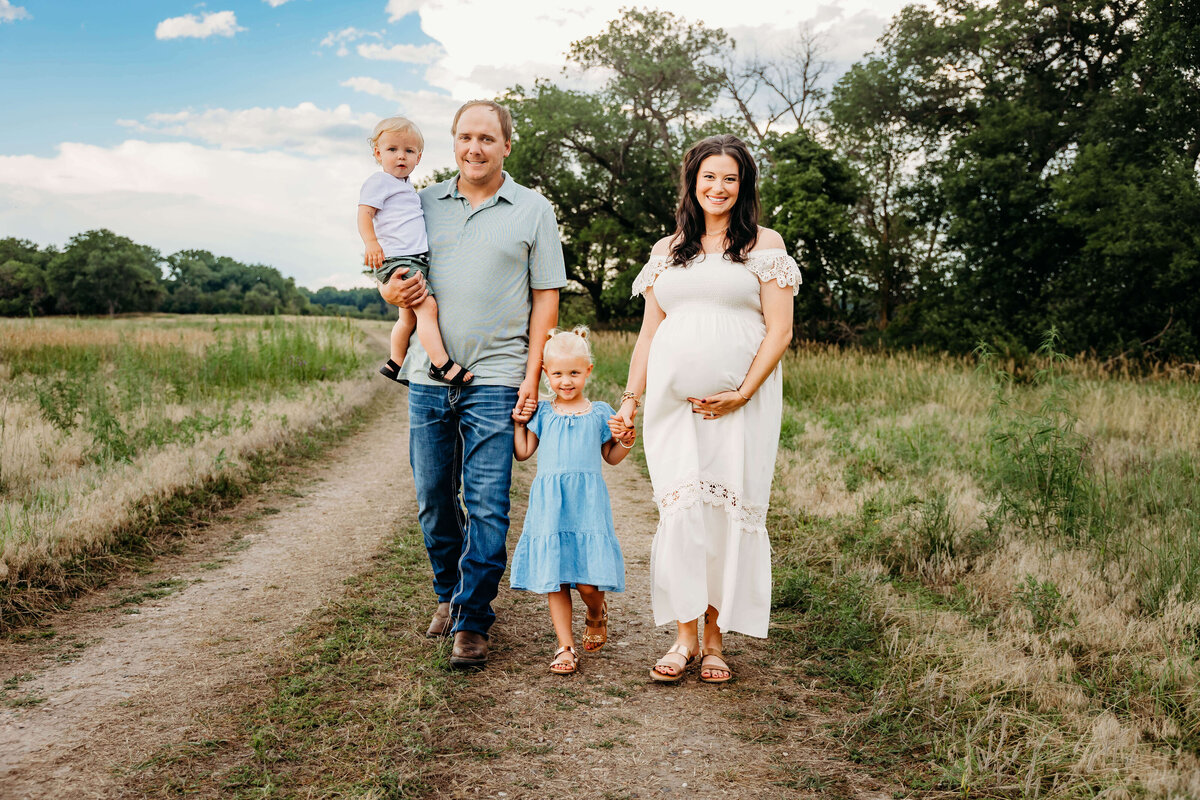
507 191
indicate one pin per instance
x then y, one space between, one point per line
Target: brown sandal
717 663
567 667
688 658
600 639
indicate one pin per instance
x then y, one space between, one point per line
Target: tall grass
1000 564
105 421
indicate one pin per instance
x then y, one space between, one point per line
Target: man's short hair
506 123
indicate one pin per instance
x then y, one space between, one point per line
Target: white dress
711 478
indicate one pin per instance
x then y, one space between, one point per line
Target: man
497 264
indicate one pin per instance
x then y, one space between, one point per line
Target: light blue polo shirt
483 264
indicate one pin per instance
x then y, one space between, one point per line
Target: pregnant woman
718 319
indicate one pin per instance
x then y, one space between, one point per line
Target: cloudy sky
240 126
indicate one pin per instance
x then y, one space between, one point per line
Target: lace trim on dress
645 279
779 267
752 518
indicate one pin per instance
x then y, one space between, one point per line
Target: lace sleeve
645 279
777 266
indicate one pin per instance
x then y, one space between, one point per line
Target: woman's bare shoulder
769 240
663 246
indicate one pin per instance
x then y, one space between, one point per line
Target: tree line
100 272
989 171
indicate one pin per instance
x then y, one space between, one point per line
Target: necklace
561 412
718 233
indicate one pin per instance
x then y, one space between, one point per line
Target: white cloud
480 59
11 13
416 54
293 212
345 36
398 9
275 3
216 23
304 128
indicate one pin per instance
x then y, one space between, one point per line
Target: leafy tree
100 272
808 195
23 278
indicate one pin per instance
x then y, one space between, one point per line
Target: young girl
568 539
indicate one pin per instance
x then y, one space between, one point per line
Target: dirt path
122 676
609 732
112 685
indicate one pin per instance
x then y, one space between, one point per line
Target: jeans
461 448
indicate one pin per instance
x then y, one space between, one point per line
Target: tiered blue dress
568 535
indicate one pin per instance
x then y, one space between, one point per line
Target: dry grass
1013 662
104 421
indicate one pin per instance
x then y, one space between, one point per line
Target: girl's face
567 375
717 183
398 152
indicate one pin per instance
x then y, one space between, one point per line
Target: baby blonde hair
566 344
397 125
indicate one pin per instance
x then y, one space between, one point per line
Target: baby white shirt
399 222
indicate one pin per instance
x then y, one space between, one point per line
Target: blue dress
568 535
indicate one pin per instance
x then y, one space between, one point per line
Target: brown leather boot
470 650
441 624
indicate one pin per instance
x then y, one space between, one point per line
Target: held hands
524 410
374 256
718 405
527 400
404 292
625 434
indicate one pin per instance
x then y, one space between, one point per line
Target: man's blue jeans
460 443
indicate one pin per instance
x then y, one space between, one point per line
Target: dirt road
133 666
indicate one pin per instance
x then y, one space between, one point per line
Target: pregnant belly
699 355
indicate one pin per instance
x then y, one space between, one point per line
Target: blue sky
239 126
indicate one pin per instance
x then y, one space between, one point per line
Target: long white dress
711 478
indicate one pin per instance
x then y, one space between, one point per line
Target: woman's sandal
687 658
713 661
391 371
560 665
596 639
439 374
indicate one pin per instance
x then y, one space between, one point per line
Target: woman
718 319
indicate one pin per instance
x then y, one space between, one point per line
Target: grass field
1004 575
104 423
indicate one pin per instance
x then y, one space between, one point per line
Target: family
705 369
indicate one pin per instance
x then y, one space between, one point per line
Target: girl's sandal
683 661
713 662
439 374
561 665
592 642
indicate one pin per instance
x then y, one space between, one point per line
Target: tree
23 278
100 272
808 195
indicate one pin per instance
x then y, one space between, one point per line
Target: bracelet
739 393
631 396
626 446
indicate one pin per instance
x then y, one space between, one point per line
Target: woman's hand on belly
717 405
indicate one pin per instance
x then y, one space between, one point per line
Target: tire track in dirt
608 731
144 678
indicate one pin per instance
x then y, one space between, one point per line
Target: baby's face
398 152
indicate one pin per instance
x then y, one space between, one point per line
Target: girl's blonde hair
397 125
566 344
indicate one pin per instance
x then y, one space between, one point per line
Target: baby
392 227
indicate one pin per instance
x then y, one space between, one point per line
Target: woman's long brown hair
743 217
